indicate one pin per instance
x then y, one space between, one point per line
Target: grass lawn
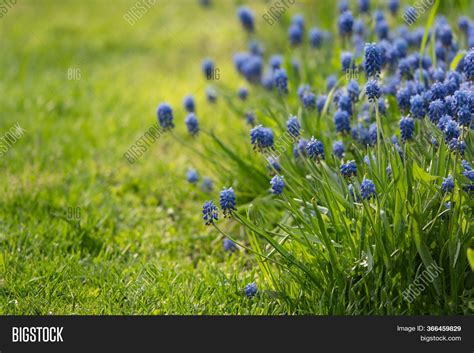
84 84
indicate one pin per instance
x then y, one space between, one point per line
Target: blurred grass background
135 219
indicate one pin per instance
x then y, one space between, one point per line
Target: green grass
133 217
140 246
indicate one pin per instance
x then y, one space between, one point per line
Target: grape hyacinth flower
382 30
315 149
275 62
373 134
372 90
321 102
438 74
407 127
364 5
464 24
457 146
315 37
243 93
280 80
348 169
417 106
192 176
227 201
250 290
345 23
381 107
462 100
403 98
298 20
302 90
353 90
208 68
415 37
342 121
436 110
448 184
359 30
346 61
344 103
469 174
250 118
300 149
246 18
192 124
293 126
401 47
367 160
239 60
361 134
207 184
451 130
438 91
367 189
445 214
465 116
352 193
443 121
445 35
338 149
277 184
188 103
469 63
273 165
165 116
343 5
211 95
252 68
404 68
229 245
261 138
210 214
255 48
466 165
399 150
393 6
295 34
331 82
451 84
372 60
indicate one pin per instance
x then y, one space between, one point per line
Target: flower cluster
250 290
315 149
192 176
277 184
348 169
192 124
165 116
227 201
367 189
210 213
261 138
293 126
425 99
